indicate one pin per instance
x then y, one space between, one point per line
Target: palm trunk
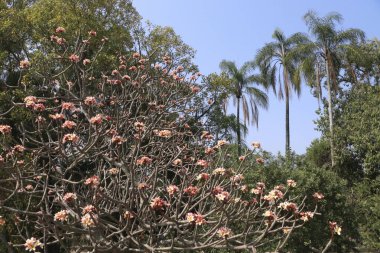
238 125
329 101
287 127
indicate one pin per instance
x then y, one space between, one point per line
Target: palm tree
279 65
244 94
327 43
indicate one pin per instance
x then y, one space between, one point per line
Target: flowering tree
113 161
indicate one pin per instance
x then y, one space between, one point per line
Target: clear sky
235 30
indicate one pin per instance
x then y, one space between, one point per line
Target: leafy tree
241 88
327 42
279 60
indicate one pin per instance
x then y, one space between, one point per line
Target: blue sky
235 30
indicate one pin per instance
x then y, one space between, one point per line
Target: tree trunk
238 125
287 127
329 101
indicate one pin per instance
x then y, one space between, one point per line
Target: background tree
241 87
327 41
279 60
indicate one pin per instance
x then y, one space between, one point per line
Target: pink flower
224 232
32 244
113 171
5 129
88 220
177 162
74 58
223 196
57 116
306 216
172 189
163 133
70 138
97 120
139 126
270 216
334 228
197 218
92 33
203 176
30 101
39 107
191 190
202 163
88 209
221 143
133 68
291 183
136 55
219 171
256 144
18 148
209 151
24 64
260 160
318 196
60 29
93 181
86 62
69 124
2 221
288 206
158 204
61 216
144 160
67 106
195 89
117 140
127 77
69 197
128 215
90 101
115 72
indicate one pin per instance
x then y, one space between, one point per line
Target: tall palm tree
327 43
279 65
244 94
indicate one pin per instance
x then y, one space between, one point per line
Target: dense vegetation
58 51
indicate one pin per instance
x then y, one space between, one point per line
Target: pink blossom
256 144
32 244
90 101
69 197
191 190
92 33
88 209
86 62
136 55
96 120
128 215
5 129
172 189
203 176
61 216
291 183
24 64
74 58
117 140
57 116
88 220
202 163
69 124
158 204
60 29
224 232
70 138
144 160
93 181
